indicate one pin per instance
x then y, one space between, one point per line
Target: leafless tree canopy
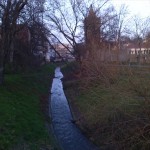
64 22
12 14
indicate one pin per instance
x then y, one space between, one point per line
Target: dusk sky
135 7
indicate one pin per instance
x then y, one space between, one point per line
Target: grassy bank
117 116
23 110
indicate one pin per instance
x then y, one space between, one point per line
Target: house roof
136 45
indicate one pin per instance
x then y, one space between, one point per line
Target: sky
135 7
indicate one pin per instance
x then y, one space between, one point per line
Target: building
60 52
64 52
50 55
138 53
39 40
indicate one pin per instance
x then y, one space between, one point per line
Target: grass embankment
115 116
23 110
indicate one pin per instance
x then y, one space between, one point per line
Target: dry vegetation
111 104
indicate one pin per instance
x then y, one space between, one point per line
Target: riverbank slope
24 110
114 116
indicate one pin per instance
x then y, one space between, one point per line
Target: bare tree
10 11
121 16
138 30
66 19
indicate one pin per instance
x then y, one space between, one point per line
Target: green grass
115 116
22 99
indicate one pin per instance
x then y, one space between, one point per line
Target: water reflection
68 135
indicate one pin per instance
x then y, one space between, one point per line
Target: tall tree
10 11
35 13
66 21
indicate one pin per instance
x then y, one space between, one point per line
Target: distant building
39 40
42 48
138 53
50 55
59 52
64 51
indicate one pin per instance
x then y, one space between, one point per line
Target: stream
68 135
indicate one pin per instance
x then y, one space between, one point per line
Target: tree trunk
11 53
1 66
4 48
1 75
140 53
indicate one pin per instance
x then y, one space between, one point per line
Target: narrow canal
68 135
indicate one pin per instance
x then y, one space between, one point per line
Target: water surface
67 133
